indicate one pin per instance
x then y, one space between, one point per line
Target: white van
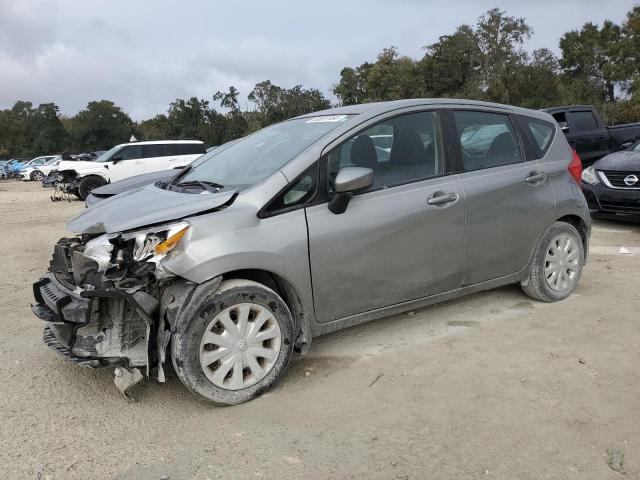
124 161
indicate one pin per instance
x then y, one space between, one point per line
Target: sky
143 54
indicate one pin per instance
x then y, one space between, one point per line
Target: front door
402 239
131 162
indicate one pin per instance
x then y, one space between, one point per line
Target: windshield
253 158
106 156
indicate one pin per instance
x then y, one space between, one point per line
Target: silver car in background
309 226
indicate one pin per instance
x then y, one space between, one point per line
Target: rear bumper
613 202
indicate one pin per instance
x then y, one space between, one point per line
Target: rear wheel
89 183
237 343
557 264
37 175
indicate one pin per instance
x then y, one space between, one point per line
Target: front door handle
535 177
440 198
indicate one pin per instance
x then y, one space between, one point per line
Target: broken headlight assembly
148 245
153 244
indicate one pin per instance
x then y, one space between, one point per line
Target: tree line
598 64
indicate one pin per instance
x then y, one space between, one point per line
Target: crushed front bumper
94 328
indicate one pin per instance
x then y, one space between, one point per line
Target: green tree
500 39
393 77
451 66
48 133
536 83
154 128
275 104
100 126
631 51
593 60
351 88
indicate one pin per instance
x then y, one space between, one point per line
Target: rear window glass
151 151
486 139
185 148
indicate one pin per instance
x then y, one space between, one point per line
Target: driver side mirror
349 181
116 159
626 145
564 127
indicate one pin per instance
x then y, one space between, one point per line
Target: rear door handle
138 162
535 177
440 198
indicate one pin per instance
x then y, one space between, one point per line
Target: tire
562 242
37 175
89 183
233 371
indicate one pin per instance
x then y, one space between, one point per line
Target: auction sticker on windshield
327 119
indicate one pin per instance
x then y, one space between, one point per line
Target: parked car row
123 161
310 226
587 133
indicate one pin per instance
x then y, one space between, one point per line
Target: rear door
182 154
508 200
156 158
400 240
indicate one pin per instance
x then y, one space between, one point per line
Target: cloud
145 54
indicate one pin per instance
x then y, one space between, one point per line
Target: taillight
575 167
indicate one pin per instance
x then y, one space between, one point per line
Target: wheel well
579 225
288 293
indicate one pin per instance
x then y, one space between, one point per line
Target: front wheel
557 264
89 183
37 175
237 343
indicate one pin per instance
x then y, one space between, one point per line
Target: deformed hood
134 182
146 206
621 161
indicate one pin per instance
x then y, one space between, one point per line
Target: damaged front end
65 185
101 299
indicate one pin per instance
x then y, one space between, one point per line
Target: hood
80 166
134 182
146 206
622 161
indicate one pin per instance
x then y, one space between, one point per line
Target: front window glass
130 152
399 150
254 158
106 156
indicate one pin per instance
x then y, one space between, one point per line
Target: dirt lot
491 386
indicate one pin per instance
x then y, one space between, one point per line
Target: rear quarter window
538 136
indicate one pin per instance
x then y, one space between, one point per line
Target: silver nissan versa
309 226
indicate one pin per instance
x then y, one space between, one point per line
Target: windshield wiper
212 187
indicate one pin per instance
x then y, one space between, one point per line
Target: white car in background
39 167
124 161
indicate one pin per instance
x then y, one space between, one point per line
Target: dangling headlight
155 243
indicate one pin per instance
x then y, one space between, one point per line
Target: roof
159 142
382 107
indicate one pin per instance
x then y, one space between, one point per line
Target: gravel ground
491 386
